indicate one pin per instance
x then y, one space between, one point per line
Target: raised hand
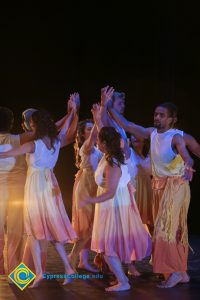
76 98
106 95
96 112
71 105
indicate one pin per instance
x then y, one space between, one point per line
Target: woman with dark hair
116 233
87 159
44 212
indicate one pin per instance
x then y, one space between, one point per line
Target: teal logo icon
22 276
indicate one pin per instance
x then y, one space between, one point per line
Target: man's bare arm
192 144
132 128
179 143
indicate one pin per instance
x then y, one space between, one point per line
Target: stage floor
141 288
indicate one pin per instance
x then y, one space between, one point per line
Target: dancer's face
162 120
119 105
32 125
101 145
88 128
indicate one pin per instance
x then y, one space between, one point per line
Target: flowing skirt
82 218
170 240
44 212
144 196
118 229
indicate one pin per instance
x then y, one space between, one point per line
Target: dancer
87 159
172 171
144 193
139 167
116 232
70 136
27 256
170 111
12 180
118 104
45 215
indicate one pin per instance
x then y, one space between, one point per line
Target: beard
157 125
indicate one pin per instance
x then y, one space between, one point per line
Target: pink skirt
44 211
118 229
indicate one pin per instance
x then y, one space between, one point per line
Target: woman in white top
44 212
116 233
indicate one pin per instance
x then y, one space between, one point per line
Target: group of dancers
130 197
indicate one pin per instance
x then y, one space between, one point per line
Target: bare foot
172 281
133 271
114 282
119 287
68 280
69 271
36 282
185 277
88 267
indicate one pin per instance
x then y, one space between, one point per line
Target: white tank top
100 180
43 157
13 168
165 162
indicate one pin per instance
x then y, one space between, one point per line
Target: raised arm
112 177
71 133
63 132
106 95
179 143
130 127
61 122
96 112
25 148
192 144
90 142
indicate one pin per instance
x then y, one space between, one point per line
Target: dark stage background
150 51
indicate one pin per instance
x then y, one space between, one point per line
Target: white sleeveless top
90 161
43 157
100 180
144 165
132 163
12 167
165 162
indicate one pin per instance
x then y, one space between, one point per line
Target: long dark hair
112 140
80 139
45 126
